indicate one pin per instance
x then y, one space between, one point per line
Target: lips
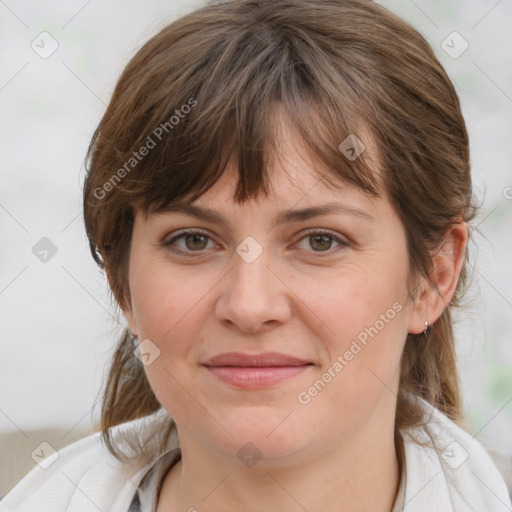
255 371
267 359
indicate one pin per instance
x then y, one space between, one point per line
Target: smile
255 371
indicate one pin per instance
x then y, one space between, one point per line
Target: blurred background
58 67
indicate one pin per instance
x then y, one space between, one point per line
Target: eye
193 241
321 241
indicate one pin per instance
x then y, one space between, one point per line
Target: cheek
165 300
363 321
169 309
358 302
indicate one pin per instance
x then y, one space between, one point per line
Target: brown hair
333 66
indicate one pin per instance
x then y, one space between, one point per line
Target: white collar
451 473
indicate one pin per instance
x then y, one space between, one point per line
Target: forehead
295 174
300 187
290 165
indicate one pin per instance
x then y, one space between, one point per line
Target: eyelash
308 234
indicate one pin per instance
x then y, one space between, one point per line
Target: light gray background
57 328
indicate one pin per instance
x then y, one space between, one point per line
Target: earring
133 340
426 327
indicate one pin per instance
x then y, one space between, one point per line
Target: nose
254 298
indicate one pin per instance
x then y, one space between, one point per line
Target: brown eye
319 242
195 242
191 241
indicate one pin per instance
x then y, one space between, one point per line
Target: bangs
227 106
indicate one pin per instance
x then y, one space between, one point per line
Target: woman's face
274 327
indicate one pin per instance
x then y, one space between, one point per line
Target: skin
297 299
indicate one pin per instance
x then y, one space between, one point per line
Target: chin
264 434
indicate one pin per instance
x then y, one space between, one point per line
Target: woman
280 194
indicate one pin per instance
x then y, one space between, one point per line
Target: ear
435 294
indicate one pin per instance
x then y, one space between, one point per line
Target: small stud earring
426 327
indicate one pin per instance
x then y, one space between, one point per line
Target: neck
354 476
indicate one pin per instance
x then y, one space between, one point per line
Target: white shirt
452 473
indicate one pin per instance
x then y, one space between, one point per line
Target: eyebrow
283 217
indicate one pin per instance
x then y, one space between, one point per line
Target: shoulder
449 469
84 476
